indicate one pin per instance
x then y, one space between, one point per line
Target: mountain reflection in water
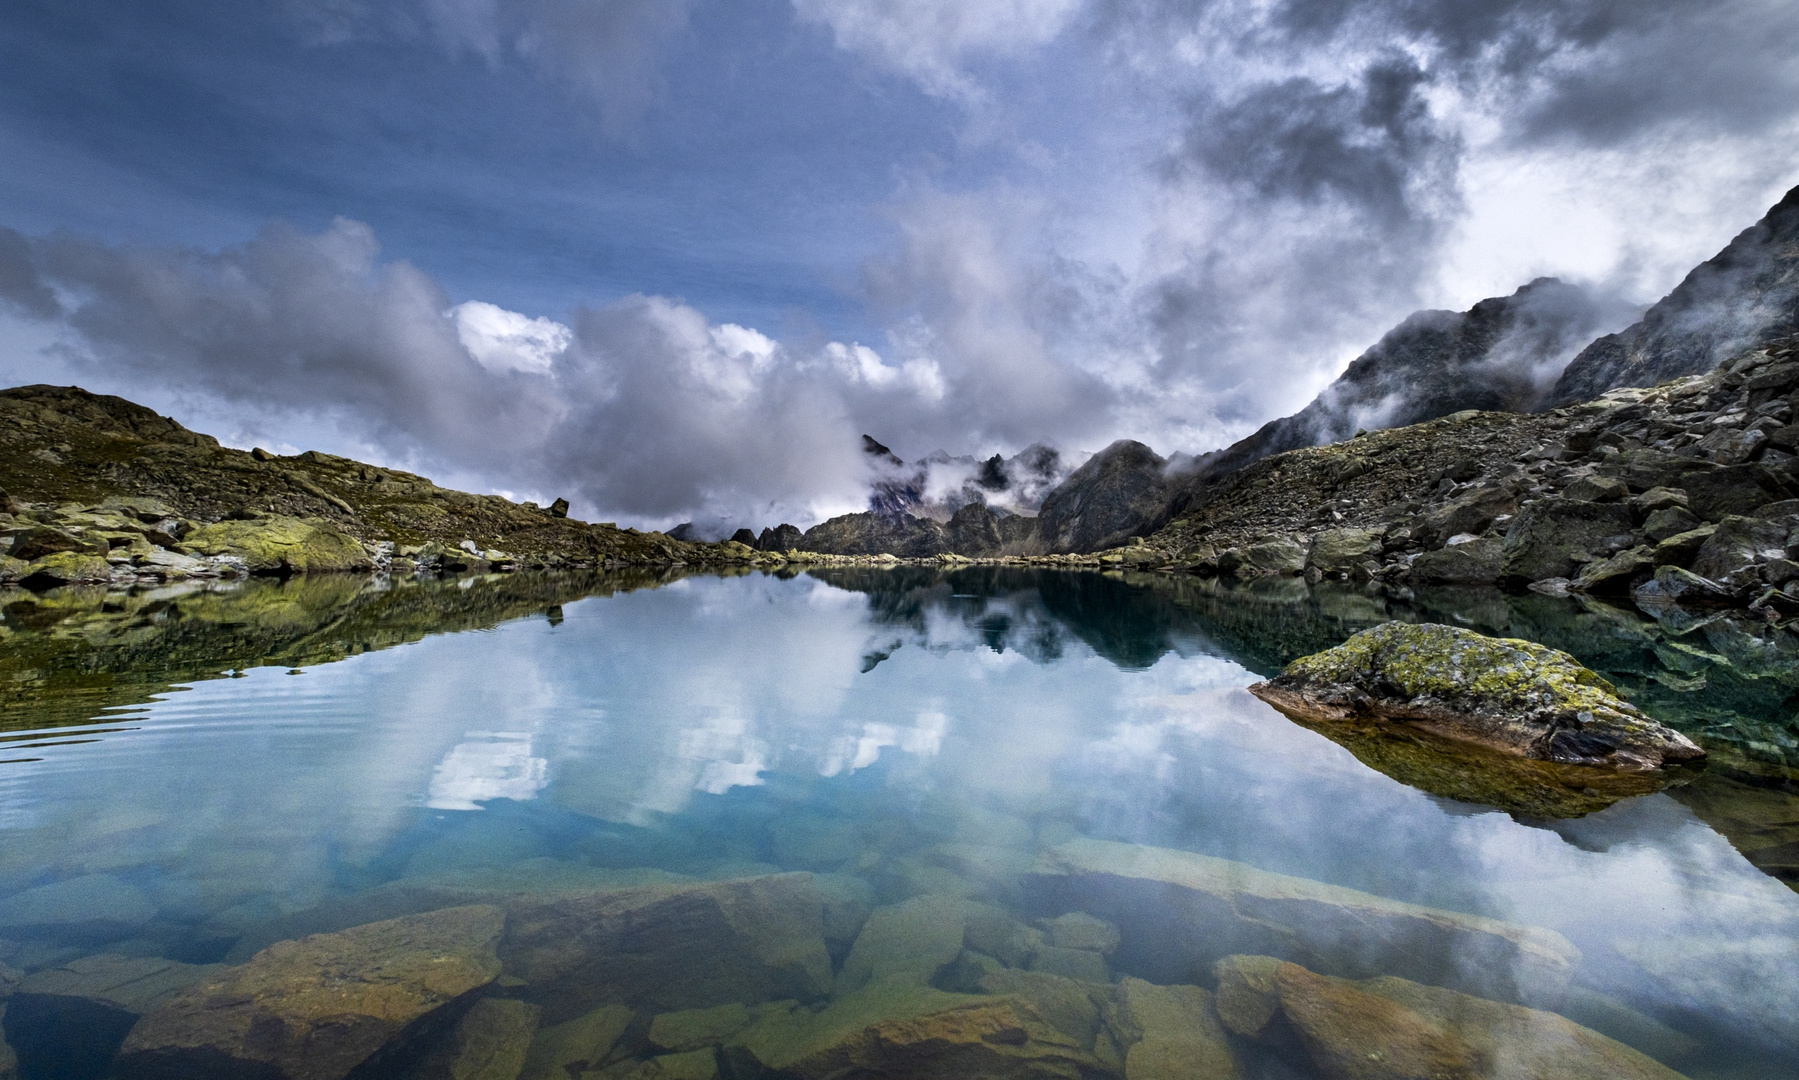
903 734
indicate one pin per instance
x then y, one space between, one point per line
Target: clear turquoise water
724 727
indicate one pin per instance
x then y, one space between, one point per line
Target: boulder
1335 551
1477 562
35 543
573 1046
490 1042
1682 548
317 1008
1394 1029
1277 557
66 568
74 1017
1545 538
1618 572
691 1029
1504 693
1733 555
1173 1033
1732 489
1673 586
276 544
1470 513
1597 489
670 947
1179 912
1669 521
913 939
1660 498
1645 470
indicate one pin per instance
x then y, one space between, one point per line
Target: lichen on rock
1505 693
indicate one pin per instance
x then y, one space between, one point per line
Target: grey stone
1477 562
1597 489
1545 538
1733 554
1346 551
1669 521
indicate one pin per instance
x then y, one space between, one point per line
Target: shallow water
923 735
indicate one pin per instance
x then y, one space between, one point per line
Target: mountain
1742 298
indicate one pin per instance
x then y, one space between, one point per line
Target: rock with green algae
1173 1032
490 1042
1392 1029
1505 693
320 1007
567 1049
65 568
277 544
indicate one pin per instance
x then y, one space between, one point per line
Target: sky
671 258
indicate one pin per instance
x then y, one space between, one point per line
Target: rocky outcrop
1395 1029
1118 493
1744 297
320 1007
99 490
1179 912
873 533
1503 693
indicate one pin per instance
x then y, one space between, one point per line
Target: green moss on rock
281 545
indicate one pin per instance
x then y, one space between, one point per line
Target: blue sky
671 257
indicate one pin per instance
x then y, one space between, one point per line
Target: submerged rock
317 1008
1504 693
1394 1029
71 1019
1176 1034
1179 912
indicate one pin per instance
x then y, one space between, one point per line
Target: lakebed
864 822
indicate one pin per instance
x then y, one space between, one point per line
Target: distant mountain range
1532 350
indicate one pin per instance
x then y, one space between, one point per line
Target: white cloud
506 340
932 40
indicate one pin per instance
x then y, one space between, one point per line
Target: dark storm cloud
20 285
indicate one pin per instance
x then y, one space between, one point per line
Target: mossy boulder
277 544
1505 693
66 568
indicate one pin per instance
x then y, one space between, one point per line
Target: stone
1075 1008
692 1065
36 543
319 1007
1477 562
66 568
80 1012
1597 489
490 1042
559 508
1669 521
566 1049
1618 572
1682 548
1545 538
276 544
94 907
1507 694
1267 558
1673 586
1174 1034
1082 965
1079 930
1659 498
1180 912
693 1028
669 947
1335 551
1733 554
912 940
1732 489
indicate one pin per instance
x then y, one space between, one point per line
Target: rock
75 1016
1507 694
277 544
95 907
490 1042
1180 912
1390 1028
559 508
670 947
782 537
1268 558
1470 513
34 544
1597 489
871 533
1344 551
1477 562
1545 537
1659 498
1079 930
902 1029
911 940
1682 548
317 1008
1113 496
568 1048
1646 470
973 530
1732 489
66 568
1076 1009
1673 586
1733 554
692 1065
1618 572
1175 1034
744 537
1669 521
690 1029
1347 1033
1616 1020
1082 965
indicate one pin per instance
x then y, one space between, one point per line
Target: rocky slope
100 490
1745 296
1687 492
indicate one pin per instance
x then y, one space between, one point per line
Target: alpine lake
986 822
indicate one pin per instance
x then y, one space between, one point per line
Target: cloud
932 41
609 50
502 340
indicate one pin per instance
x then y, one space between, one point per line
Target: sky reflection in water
719 725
